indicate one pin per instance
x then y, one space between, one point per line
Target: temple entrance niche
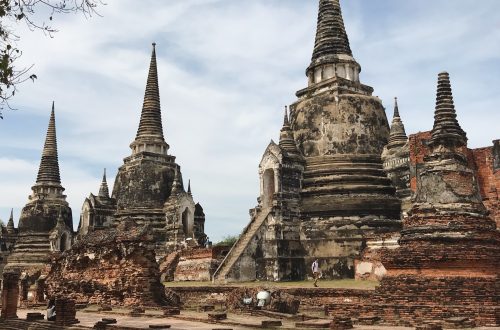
62 243
187 223
268 186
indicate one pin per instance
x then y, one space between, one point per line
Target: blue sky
227 68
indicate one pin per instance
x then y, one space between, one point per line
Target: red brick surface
480 160
10 295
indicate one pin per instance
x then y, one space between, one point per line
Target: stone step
345 188
241 245
336 178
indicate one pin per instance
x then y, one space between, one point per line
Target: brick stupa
446 267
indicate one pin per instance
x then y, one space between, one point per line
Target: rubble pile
113 267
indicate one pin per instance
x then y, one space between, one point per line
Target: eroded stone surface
115 266
324 193
446 265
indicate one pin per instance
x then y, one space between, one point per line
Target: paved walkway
89 319
192 320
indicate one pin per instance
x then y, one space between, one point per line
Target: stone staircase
168 265
240 245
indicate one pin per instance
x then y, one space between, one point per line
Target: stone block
206 308
271 323
34 317
108 320
314 324
341 323
171 311
217 316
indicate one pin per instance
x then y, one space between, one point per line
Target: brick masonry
480 160
10 295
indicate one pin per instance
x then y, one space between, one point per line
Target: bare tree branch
15 11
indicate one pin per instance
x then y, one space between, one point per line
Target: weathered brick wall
411 300
196 267
488 179
10 295
481 160
113 266
418 150
309 297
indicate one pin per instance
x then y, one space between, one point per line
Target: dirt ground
189 320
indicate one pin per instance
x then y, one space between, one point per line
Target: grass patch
336 284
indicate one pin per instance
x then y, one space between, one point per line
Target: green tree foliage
228 240
15 12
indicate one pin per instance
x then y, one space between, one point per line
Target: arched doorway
185 223
268 187
62 243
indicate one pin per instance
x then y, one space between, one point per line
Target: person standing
315 271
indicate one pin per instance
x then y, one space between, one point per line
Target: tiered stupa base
438 275
347 203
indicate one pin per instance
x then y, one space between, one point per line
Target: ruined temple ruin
45 224
404 158
111 267
339 181
148 187
324 192
446 265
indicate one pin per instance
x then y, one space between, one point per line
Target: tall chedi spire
39 217
331 37
149 136
397 136
447 166
341 130
449 244
10 223
333 189
332 55
103 189
48 181
339 127
446 127
144 181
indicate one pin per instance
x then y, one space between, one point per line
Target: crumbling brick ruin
10 295
112 267
404 162
447 263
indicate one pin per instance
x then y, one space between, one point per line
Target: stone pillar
65 311
24 288
10 295
39 291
